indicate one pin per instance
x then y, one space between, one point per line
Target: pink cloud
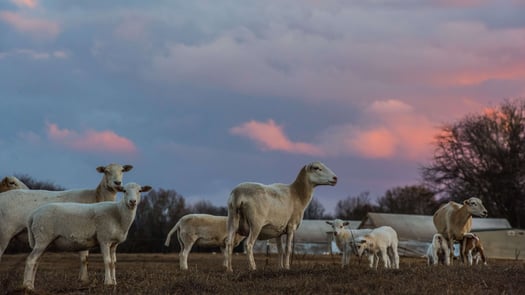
38 28
270 136
90 140
25 3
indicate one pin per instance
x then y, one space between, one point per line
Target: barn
415 231
312 237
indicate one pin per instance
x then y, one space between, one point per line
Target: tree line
481 155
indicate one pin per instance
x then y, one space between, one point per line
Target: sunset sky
201 95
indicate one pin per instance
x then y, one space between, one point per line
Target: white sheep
10 183
438 250
202 230
264 212
17 205
77 227
453 220
345 238
382 240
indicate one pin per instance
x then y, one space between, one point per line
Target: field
310 274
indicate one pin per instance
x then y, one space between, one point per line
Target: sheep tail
30 235
172 231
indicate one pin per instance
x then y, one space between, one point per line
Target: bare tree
38 184
415 199
315 210
483 156
355 207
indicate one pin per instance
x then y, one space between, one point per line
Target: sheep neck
462 216
126 215
104 192
302 187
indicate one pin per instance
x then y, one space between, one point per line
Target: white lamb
263 212
345 238
202 230
77 227
17 205
382 240
437 251
10 183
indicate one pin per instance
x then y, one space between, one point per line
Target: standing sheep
202 230
381 240
77 227
10 183
17 205
471 247
438 250
453 220
264 212
345 238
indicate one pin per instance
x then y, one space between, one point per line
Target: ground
309 274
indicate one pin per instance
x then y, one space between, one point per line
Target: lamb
345 238
10 182
381 240
202 230
438 250
77 227
17 205
264 212
453 220
471 247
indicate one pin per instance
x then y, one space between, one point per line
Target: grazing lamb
471 247
10 183
77 227
381 240
453 220
263 212
17 205
202 230
438 250
345 238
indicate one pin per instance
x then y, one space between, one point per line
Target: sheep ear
346 223
127 168
329 222
145 188
101 169
121 189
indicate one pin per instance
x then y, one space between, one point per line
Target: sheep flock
79 220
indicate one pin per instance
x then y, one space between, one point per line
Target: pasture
309 274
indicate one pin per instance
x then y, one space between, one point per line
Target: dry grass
160 274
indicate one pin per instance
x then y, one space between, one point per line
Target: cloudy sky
201 95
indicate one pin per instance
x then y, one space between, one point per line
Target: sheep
263 212
381 240
77 227
438 250
17 205
10 182
202 230
453 220
345 238
471 247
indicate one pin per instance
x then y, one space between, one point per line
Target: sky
200 96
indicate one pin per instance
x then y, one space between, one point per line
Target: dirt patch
309 274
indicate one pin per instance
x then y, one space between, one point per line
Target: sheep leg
287 253
448 257
183 255
31 266
279 244
233 226
106 255
83 274
250 242
371 260
113 252
469 257
345 259
384 256
396 257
